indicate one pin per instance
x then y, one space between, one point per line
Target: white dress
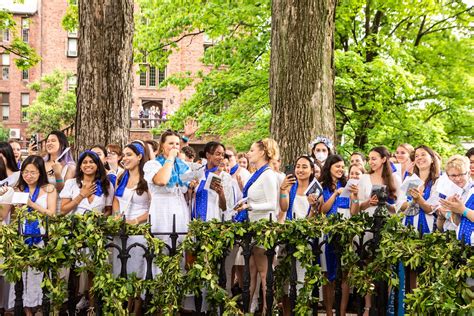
166 203
365 188
430 219
72 190
12 179
32 292
263 197
52 180
132 205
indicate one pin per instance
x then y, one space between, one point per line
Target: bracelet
59 180
282 196
448 214
355 201
185 139
466 211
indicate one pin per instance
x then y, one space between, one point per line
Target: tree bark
105 73
302 74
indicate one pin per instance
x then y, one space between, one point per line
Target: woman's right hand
173 153
3 190
88 189
374 201
287 183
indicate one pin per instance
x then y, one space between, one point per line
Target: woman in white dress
166 188
295 204
12 170
380 175
262 192
333 181
132 201
90 190
42 198
404 157
58 161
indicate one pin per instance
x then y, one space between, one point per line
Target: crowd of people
166 180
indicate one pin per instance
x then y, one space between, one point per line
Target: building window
25 102
4 35
25 74
143 78
5 64
71 47
5 99
25 29
72 83
149 77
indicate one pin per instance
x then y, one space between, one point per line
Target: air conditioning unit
14 133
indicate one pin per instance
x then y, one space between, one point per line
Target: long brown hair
434 167
387 174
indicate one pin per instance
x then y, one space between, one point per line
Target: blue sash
179 168
234 169
340 202
466 227
32 227
243 215
98 188
122 184
201 198
422 223
112 178
289 212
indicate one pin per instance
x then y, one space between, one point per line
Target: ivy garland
441 287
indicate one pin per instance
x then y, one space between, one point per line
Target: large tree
105 75
302 74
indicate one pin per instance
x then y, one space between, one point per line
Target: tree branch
420 31
177 40
11 50
398 25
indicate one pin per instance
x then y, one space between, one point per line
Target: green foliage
407 77
54 107
27 57
441 287
4 133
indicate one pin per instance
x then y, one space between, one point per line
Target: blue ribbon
467 227
234 169
32 227
340 202
179 168
202 198
98 188
422 223
112 178
243 215
289 212
122 184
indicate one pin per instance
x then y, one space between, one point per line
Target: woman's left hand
453 203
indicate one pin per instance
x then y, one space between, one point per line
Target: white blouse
365 188
263 196
72 190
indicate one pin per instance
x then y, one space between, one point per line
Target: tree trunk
302 74
105 75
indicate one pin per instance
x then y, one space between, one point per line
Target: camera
380 191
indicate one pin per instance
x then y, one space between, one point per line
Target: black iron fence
365 248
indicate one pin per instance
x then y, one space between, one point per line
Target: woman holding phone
58 161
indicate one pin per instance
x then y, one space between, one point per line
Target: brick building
38 22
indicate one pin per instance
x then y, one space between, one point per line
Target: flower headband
321 139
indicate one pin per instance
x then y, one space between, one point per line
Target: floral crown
321 139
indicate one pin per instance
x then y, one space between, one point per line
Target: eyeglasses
30 173
454 176
112 153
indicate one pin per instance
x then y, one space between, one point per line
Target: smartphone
289 169
34 140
